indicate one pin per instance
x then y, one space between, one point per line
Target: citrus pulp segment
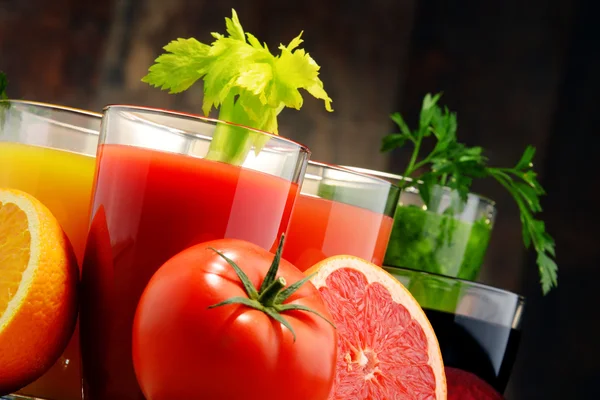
387 348
38 289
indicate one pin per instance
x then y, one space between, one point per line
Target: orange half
38 290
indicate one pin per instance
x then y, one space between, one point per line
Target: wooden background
517 72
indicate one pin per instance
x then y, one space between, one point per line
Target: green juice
438 243
448 236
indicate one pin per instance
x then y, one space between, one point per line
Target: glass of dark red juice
478 327
157 191
340 212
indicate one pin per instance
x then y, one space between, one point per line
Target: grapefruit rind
399 294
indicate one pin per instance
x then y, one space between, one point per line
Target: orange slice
387 348
38 290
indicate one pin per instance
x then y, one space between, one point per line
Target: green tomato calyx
272 294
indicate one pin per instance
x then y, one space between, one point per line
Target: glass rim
56 107
346 170
196 117
521 299
389 175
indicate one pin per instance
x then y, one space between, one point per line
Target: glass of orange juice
49 152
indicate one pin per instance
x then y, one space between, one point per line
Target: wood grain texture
50 49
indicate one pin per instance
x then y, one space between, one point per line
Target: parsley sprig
455 165
3 85
247 83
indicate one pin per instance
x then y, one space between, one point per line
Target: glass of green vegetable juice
166 181
446 236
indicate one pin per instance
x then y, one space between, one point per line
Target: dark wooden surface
517 72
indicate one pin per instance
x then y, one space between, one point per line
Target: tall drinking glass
156 194
48 151
340 212
439 237
478 327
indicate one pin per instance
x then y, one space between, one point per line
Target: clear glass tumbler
158 191
446 236
478 327
49 152
340 211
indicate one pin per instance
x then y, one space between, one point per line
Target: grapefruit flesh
386 349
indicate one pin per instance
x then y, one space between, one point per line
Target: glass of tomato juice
340 211
49 152
157 192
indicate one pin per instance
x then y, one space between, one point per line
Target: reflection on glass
155 195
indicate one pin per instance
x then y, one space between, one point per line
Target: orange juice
62 181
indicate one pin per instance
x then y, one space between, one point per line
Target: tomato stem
268 298
271 296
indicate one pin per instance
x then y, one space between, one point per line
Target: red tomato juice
148 206
321 228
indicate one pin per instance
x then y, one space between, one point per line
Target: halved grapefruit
387 348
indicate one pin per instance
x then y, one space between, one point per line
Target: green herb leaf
395 140
426 188
454 165
521 181
184 63
397 118
243 79
3 85
526 160
548 272
392 141
429 111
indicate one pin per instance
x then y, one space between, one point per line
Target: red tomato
182 349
